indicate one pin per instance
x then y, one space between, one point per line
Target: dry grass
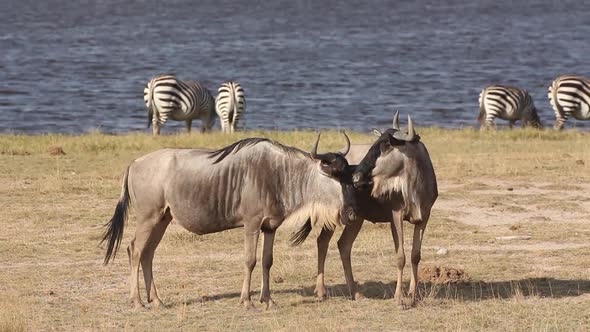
51 275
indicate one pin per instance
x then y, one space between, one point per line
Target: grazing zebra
508 103
230 104
168 97
570 95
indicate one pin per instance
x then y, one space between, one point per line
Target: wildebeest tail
482 109
299 237
115 226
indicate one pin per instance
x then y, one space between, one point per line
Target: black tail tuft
115 226
299 237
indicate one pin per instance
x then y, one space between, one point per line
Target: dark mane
247 142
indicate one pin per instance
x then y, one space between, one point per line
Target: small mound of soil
442 274
56 151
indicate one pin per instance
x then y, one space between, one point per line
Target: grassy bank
492 184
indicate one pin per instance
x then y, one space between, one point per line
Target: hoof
321 294
272 305
139 306
248 305
157 304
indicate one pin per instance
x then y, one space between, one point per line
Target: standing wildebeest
254 183
168 97
402 187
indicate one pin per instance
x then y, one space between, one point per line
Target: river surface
77 66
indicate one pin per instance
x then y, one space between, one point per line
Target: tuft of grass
12 316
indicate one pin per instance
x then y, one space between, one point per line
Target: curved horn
314 150
396 120
347 144
411 131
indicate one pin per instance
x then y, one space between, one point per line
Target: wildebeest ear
376 132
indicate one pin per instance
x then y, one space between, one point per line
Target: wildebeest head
387 157
334 164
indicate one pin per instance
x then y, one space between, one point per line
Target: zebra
569 95
508 103
168 97
230 104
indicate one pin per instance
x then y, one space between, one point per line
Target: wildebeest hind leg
136 250
397 231
345 248
267 258
148 256
250 244
416 256
323 242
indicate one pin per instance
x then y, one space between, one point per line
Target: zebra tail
115 226
482 109
233 108
553 92
151 102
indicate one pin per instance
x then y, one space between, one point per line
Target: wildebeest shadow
464 291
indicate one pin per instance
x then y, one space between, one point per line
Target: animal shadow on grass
480 290
464 291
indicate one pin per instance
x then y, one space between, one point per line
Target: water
75 66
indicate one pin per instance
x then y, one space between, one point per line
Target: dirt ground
474 276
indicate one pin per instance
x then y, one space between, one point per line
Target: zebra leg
560 120
511 124
155 128
189 123
489 123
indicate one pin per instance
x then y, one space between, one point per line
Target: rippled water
73 66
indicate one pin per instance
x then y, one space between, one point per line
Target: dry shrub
56 151
442 275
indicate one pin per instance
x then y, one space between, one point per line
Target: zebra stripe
507 103
230 104
569 95
168 97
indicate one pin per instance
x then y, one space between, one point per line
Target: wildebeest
394 181
254 183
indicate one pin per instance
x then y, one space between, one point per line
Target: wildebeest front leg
323 242
268 241
416 256
345 247
250 244
397 231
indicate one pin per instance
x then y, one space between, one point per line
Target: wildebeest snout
348 216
